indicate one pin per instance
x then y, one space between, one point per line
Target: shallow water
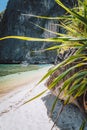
7 69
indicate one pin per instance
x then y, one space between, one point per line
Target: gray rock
62 56
15 23
70 119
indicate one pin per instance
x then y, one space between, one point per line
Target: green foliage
1 15
76 27
75 24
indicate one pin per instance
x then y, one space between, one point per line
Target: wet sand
11 82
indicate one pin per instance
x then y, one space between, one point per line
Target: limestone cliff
15 23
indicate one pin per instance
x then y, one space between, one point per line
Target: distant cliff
15 23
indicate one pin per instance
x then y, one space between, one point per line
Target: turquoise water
7 69
44 65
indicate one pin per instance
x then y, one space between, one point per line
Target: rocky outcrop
70 118
80 101
15 23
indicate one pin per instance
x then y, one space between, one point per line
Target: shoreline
15 115
14 81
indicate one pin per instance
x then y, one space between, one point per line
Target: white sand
31 116
14 81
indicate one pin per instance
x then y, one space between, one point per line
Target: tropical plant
71 79
71 74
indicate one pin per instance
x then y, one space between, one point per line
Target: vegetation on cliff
1 15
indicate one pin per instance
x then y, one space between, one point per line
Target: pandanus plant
68 78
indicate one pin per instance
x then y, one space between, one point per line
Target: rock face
15 23
1 15
71 118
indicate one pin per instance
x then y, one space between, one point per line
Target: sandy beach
31 116
34 115
14 81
